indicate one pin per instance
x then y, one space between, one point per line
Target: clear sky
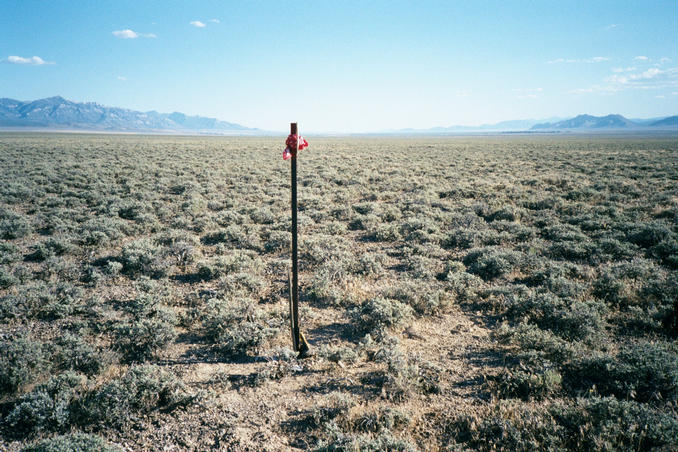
347 66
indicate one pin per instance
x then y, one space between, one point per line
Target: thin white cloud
641 58
596 59
649 79
32 61
125 34
600 89
611 26
623 69
675 93
527 93
527 90
462 93
131 34
198 24
661 96
649 74
122 78
215 21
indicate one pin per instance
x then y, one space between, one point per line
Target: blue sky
347 66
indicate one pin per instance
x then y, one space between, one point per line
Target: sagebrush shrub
53 246
9 253
236 326
236 235
460 283
371 264
339 441
319 249
644 372
278 241
338 354
420 229
530 338
363 222
506 425
670 319
492 262
572 250
382 420
383 232
466 238
242 284
560 278
421 267
13 226
263 215
377 315
614 250
571 320
506 213
140 390
143 257
621 285
525 385
73 442
75 353
337 405
406 375
130 209
22 361
609 424
326 284
62 302
7 279
667 252
564 233
149 332
183 252
648 235
424 298
113 268
48 407
102 231
239 261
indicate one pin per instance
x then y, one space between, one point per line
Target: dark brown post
298 339
295 264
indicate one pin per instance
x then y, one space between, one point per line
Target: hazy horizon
351 67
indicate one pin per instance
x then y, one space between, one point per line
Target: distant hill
670 121
515 125
59 113
589 122
609 122
646 121
579 123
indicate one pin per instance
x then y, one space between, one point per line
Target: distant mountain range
515 125
59 113
581 123
609 122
